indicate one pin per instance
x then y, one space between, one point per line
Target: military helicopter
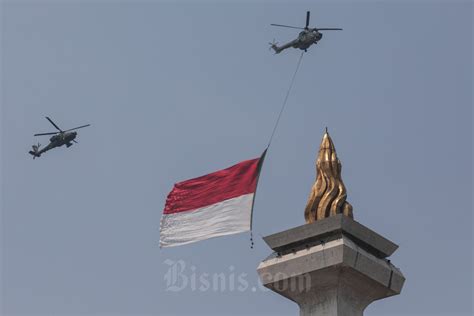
60 138
306 38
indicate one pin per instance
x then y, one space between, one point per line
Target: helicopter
58 139
306 38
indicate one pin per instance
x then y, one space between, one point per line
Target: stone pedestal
334 266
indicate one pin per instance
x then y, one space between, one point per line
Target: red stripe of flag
215 187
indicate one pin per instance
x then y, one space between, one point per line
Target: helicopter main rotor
307 24
60 131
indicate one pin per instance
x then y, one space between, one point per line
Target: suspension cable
286 99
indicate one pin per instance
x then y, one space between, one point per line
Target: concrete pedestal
335 266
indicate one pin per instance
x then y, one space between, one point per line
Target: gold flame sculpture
328 194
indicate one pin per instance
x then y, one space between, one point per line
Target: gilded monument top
328 194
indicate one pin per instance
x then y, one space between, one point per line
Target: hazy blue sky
174 91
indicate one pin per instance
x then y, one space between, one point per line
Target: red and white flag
216 204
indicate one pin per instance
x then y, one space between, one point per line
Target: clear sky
177 90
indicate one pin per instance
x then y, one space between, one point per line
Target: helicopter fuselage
55 141
62 138
305 39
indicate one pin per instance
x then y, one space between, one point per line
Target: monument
332 265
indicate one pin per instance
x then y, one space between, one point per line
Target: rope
286 99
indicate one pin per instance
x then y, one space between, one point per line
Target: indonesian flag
216 204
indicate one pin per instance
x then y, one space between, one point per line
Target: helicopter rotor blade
75 141
307 19
54 124
291 27
41 134
68 130
328 29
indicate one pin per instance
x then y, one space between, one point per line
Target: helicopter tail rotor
274 46
35 152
